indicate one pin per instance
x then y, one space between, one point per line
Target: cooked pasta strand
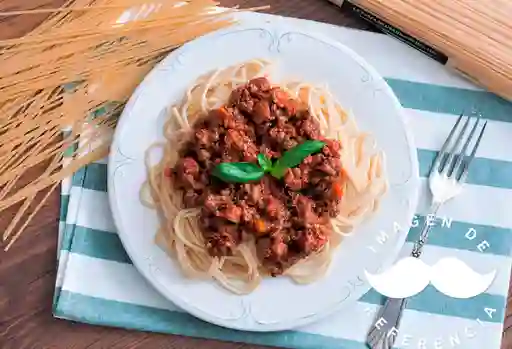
179 232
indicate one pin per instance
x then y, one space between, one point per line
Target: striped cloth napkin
97 283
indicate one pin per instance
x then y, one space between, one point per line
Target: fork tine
442 152
374 334
462 154
379 345
464 174
372 343
382 343
448 163
377 342
390 341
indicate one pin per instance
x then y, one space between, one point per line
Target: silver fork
447 176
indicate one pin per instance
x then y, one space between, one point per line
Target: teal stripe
493 173
67 237
93 177
97 311
66 245
64 203
450 100
499 239
98 244
79 176
433 301
105 245
55 300
454 236
489 172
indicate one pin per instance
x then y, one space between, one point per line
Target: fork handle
382 337
418 245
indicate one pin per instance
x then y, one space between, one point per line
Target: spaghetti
241 271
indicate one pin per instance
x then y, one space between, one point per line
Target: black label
395 32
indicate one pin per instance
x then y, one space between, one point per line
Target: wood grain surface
27 271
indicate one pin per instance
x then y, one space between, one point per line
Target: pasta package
474 37
63 85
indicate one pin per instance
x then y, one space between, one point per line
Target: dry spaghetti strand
75 72
475 35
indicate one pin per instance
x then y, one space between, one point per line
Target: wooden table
27 271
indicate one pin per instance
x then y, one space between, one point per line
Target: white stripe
399 61
99 218
62 227
112 280
482 263
353 323
476 204
62 268
66 182
94 209
74 204
431 129
66 186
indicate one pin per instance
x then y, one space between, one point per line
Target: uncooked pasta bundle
63 85
475 35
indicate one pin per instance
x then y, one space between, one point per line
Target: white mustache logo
449 276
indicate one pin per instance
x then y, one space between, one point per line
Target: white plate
278 303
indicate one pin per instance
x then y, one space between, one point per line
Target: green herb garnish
265 162
243 172
295 156
238 172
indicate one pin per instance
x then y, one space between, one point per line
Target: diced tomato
224 111
337 190
223 114
259 225
168 172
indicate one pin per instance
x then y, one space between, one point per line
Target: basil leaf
295 156
238 172
265 162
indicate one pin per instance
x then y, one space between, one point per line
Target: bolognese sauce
288 218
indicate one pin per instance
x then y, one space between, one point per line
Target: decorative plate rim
117 159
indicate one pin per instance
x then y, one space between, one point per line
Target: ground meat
261 112
287 219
